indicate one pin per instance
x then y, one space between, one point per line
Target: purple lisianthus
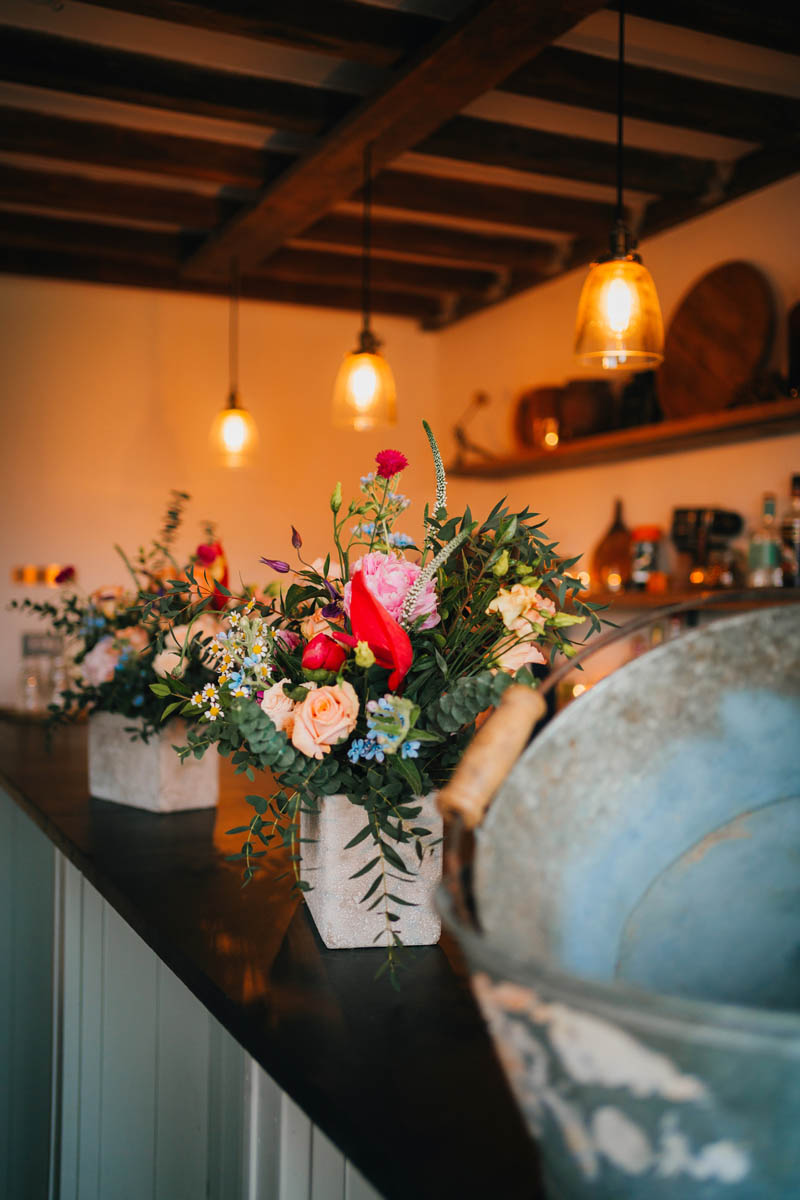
276 565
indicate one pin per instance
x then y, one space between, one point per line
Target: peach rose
326 716
136 636
313 624
108 600
278 707
101 662
168 662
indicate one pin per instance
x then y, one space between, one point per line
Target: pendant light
364 395
233 436
619 319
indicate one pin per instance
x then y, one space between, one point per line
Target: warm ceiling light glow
551 439
234 436
619 318
364 395
578 689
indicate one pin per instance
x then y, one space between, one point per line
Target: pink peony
390 463
389 578
101 662
326 716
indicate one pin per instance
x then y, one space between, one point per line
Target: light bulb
364 395
619 305
362 384
233 436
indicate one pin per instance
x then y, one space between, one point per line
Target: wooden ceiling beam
75 193
468 139
48 264
464 200
589 81
755 170
25 131
770 23
321 266
414 239
471 56
69 65
344 28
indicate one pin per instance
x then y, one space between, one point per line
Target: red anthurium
214 565
371 623
323 654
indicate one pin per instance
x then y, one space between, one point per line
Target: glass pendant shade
234 436
619 318
364 395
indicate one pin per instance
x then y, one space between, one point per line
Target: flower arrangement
365 672
116 648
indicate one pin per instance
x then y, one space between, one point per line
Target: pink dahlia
390 463
390 579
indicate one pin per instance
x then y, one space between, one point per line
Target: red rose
323 654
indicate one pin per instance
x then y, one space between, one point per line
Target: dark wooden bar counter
404 1083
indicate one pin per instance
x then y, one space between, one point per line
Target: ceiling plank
345 28
326 267
472 55
414 239
771 23
755 170
589 81
60 234
130 273
74 193
436 194
468 139
25 131
68 65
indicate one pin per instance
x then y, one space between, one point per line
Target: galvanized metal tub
635 938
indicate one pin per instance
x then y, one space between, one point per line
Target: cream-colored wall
109 395
528 341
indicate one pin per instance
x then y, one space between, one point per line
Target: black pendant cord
620 107
233 335
366 236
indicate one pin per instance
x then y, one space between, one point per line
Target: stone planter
148 775
344 923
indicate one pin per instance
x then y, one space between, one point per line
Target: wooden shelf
652 600
668 437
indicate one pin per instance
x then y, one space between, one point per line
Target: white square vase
334 899
148 775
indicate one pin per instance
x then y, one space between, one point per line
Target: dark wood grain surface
405 1083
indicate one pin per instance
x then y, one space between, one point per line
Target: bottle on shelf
790 536
611 561
765 552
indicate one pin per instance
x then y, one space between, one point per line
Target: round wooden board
720 336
